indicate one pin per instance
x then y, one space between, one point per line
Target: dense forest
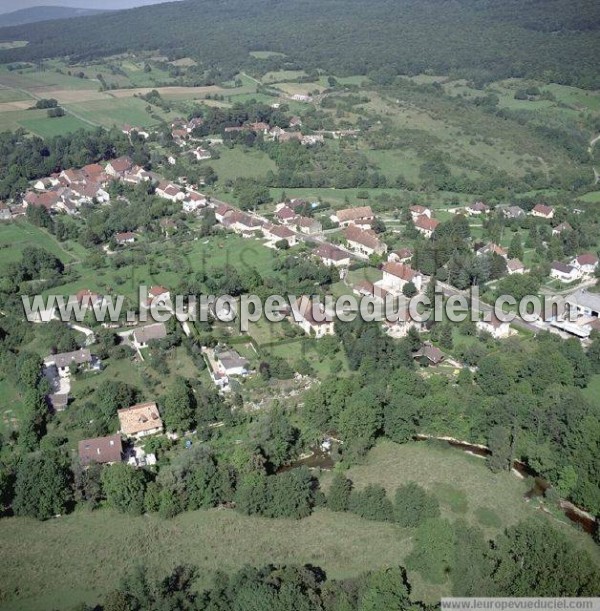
479 39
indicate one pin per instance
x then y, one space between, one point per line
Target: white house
542 211
312 318
418 210
585 263
332 256
361 217
495 327
426 225
144 335
140 420
397 275
364 242
564 272
514 266
63 361
276 233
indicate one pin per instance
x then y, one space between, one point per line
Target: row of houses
580 267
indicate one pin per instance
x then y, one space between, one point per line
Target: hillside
478 39
44 13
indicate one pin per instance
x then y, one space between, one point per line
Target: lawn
116 111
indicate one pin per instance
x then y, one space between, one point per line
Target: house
87 298
142 337
542 211
102 450
312 139
72 176
361 217
312 318
513 212
497 328
586 263
564 272
417 211
59 401
402 255
275 233
117 167
221 211
169 191
514 266
586 303
307 225
428 352
332 256
242 223
193 201
230 363
364 242
5 213
125 237
561 228
493 249
140 420
44 184
285 215
401 323
477 208
159 294
425 225
397 275
201 154
63 361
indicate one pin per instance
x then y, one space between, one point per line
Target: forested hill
44 13
480 39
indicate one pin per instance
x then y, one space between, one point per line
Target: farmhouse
275 233
307 225
477 208
497 328
140 420
102 450
563 272
65 360
562 228
364 242
200 154
118 167
230 363
493 249
125 237
513 212
402 255
514 266
332 256
542 211
169 191
221 212
5 213
312 318
426 225
241 223
397 275
417 211
429 353
586 263
193 201
285 215
144 335
159 294
586 303
400 324
361 217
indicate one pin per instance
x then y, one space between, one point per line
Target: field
16 236
237 162
80 557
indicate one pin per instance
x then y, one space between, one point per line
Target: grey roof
66 358
145 334
230 359
586 299
562 267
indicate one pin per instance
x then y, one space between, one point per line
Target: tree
500 444
432 551
179 406
35 416
372 503
43 486
409 290
124 488
413 505
338 498
515 250
534 559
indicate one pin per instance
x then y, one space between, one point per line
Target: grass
16 236
238 162
116 111
48 559
46 127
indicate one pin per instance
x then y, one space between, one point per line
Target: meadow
80 557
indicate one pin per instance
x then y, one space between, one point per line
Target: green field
116 111
16 236
237 162
81 556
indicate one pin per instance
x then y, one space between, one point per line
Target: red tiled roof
404 272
